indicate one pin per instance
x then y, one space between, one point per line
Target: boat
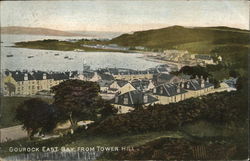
56 54
66 57
30 56
10 55
70 58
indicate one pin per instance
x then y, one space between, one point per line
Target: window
154 90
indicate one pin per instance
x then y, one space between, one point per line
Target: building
229 84
116 85
143 85
126 102
197 87
205 59
126 88
169 93
29 83
163 78
129 74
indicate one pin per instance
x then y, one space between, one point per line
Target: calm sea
50 60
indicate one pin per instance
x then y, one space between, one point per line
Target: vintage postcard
124 80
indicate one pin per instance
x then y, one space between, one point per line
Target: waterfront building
29 83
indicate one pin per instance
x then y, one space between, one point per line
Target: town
124 88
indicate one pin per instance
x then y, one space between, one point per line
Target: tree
107 110
36 115
76 100
11 87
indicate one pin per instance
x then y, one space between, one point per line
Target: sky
124 15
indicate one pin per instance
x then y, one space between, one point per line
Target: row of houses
31 83
165 93
183 56
124 94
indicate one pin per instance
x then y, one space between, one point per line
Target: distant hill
231 43
36 31
172 37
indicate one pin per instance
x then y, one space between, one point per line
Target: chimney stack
178 88
202 83
182 84
44 76
207 80
26 77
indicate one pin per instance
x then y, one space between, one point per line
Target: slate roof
59 76
122 71
168 90
166 77
39 75
105 83
36 75
87 74
134 98
195 84
140 84
231 82
106 76
162 69
121 83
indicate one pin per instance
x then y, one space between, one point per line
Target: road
12 133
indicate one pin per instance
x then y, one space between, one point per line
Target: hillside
231 43
172 37
36 31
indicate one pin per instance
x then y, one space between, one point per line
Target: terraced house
30 83
197 87
169 93
127 102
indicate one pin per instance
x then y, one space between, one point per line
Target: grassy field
8 110
81 139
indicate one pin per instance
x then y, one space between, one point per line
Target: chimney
207 80
182 84
196 77
44 76
26 77
202 83
178 88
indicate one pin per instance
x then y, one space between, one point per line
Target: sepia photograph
114 80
